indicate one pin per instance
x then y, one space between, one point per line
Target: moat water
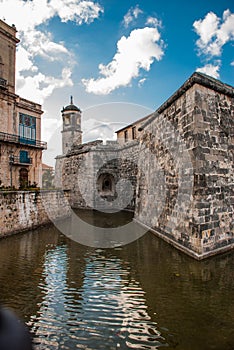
144 295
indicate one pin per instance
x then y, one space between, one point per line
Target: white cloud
153 21
131 15
214 33
41 44
40 86
99 130
24 60
27 16
48 125
206 29
138 51
78 11
141 82
232 63
209 69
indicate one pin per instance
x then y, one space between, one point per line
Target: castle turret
71 133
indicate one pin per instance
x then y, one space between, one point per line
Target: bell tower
71 133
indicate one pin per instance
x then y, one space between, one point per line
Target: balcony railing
11 138
17 160
3 83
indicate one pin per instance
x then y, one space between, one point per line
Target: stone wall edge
184 249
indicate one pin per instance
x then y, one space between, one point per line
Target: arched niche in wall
106 184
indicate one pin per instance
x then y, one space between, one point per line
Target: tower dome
71 107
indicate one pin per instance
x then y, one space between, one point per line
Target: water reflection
145 295
106 311
113 301
22 264
101 230
47 324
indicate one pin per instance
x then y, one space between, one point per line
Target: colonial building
174 168
20 122
131 132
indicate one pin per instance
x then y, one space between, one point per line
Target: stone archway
106 184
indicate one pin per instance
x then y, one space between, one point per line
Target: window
24 158
2 81
134 133
67 120
126 135
27 128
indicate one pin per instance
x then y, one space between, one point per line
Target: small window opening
134 133
126 135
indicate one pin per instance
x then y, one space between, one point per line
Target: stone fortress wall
197 213
26 210
98 176
177 175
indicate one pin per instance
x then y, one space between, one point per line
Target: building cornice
28 105
9 31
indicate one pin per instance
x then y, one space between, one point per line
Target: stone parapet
26 210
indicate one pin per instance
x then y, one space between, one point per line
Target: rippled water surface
145 295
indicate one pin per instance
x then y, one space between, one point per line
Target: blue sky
128 56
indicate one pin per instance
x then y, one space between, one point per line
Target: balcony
11 138
3 83
18 160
